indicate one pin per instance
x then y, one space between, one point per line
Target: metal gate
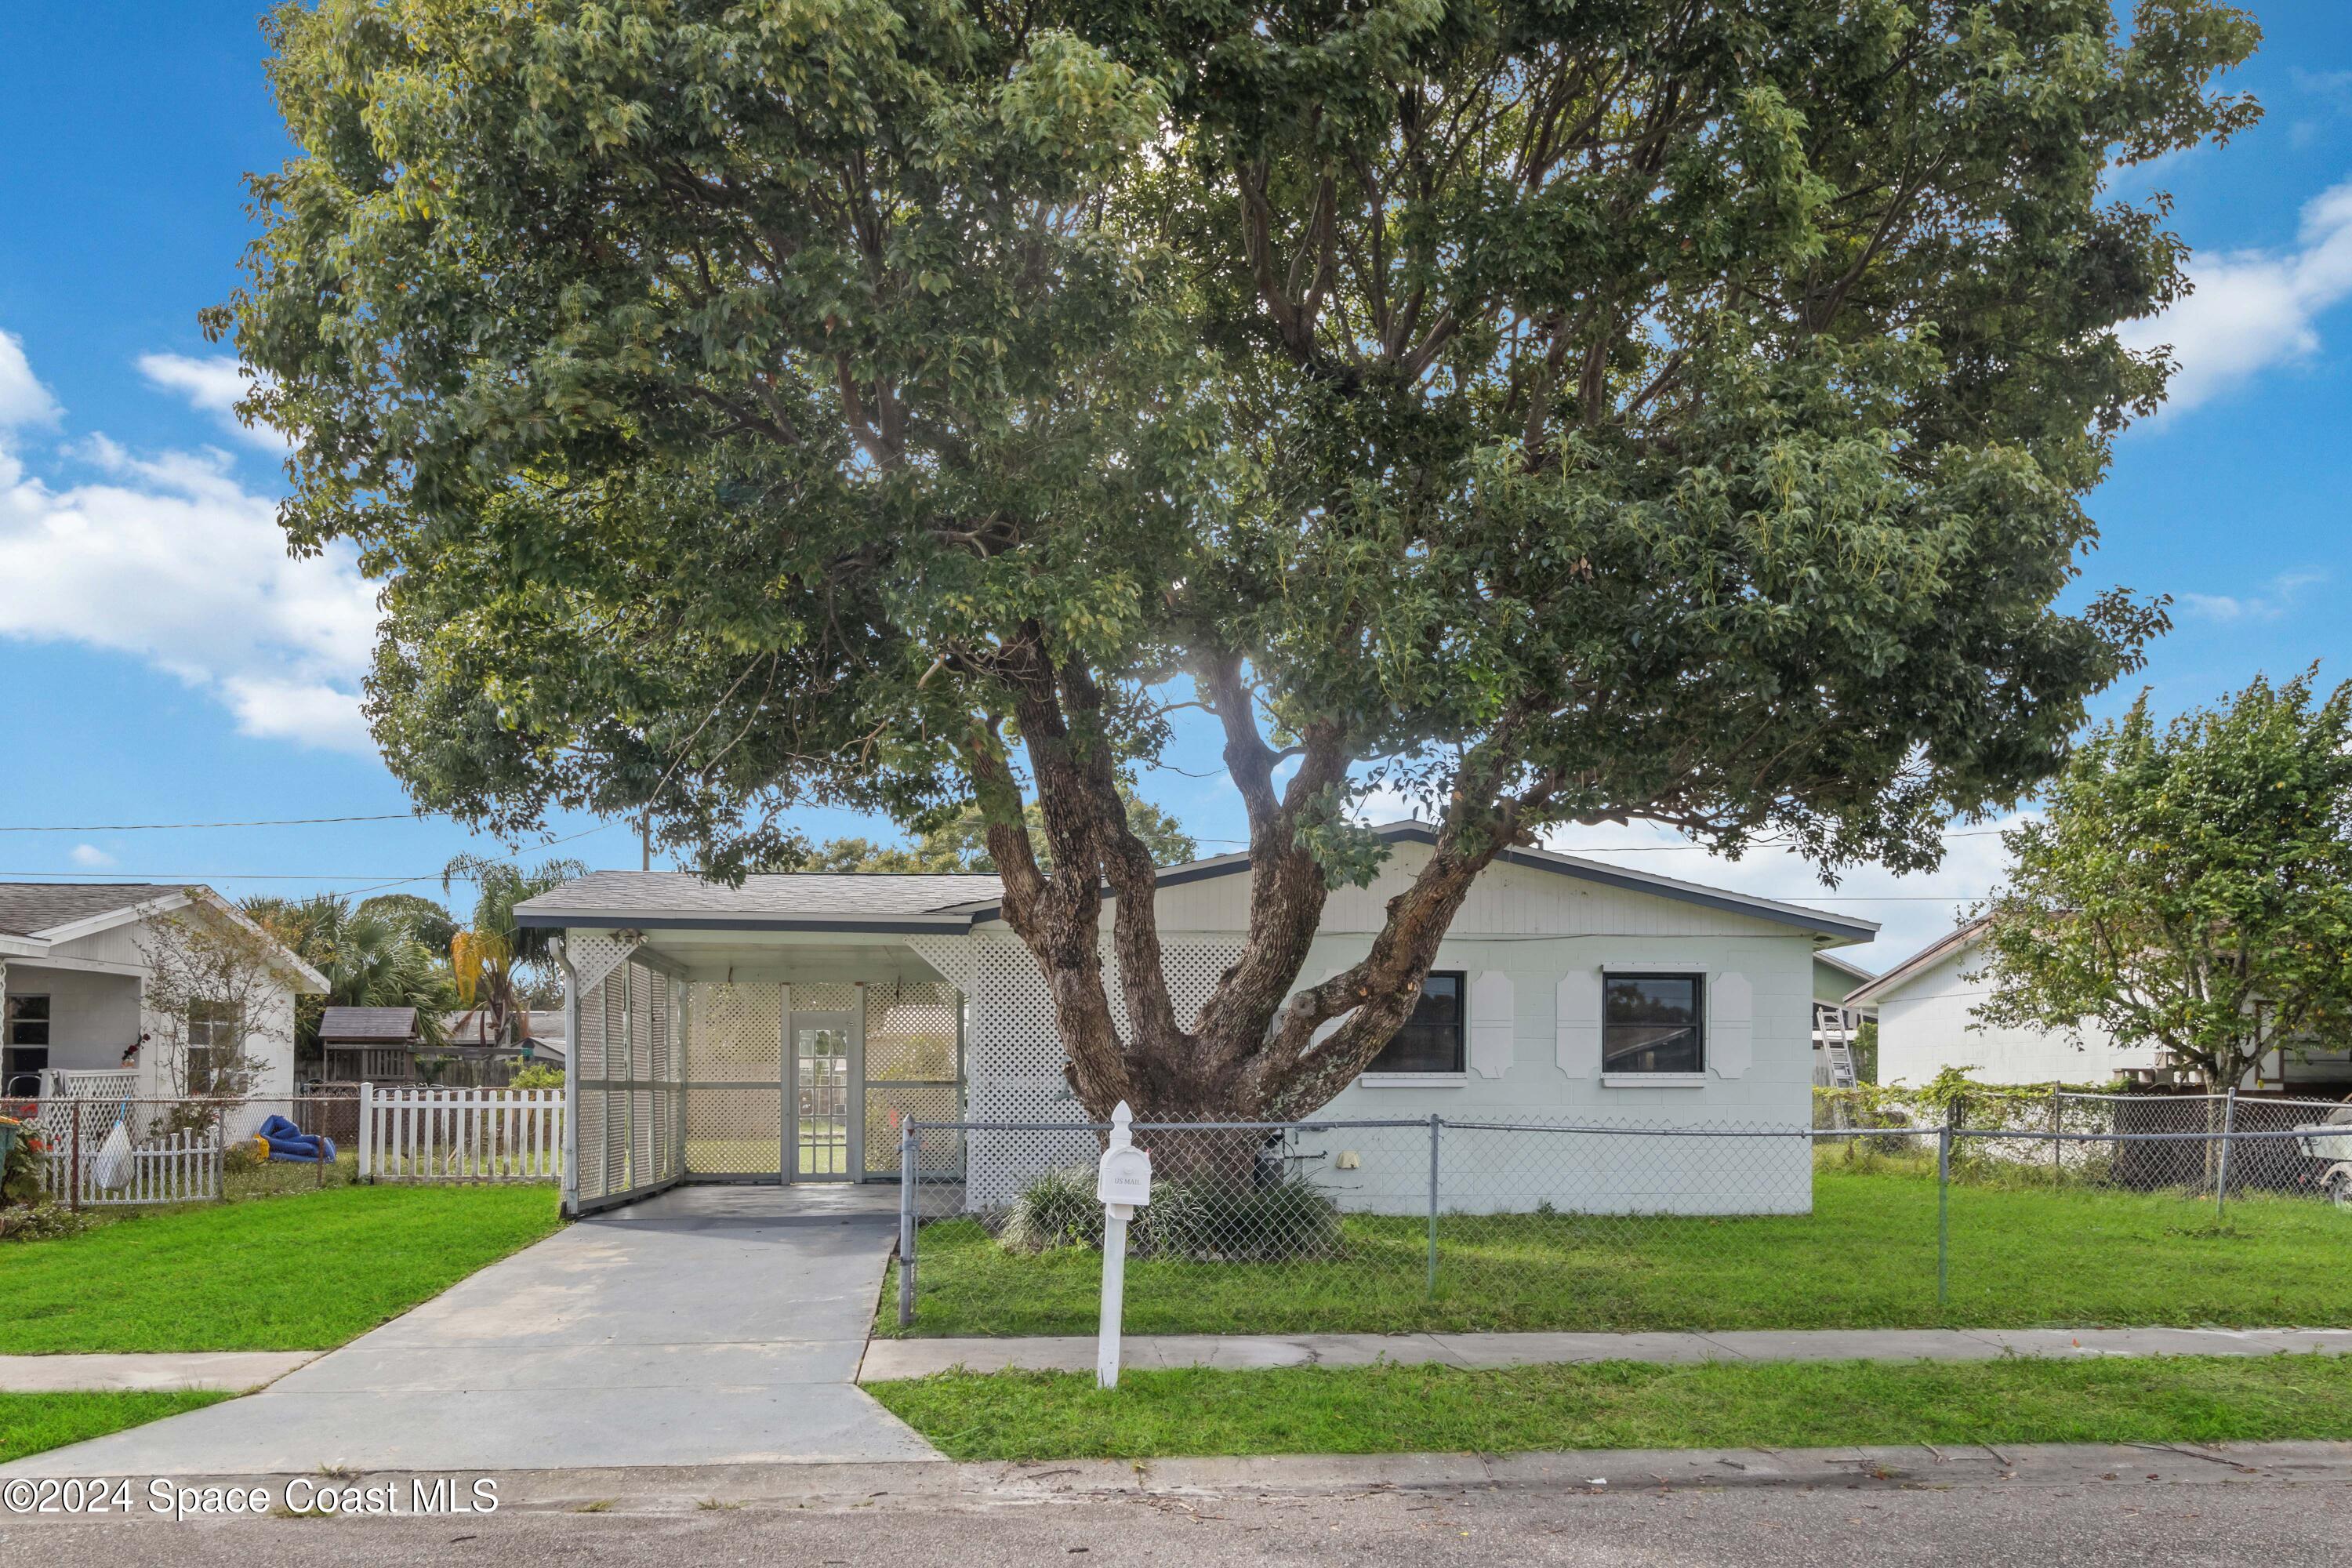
735 1099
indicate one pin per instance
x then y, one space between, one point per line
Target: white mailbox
1124 1176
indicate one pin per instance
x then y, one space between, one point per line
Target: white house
76 961
781 1030
1925 1023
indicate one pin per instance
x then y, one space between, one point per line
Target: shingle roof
27 909
854 900
367 1023
808 894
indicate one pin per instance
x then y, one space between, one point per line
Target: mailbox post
1122 1185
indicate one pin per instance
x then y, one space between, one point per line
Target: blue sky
162 662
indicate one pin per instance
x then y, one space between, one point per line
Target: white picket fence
179 1168
460 1134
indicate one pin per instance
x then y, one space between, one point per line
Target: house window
1431 1040
25 1048
1652 1023
212 1044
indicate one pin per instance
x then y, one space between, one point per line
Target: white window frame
1638 1078
1441 1078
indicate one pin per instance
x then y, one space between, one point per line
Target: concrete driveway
709 1325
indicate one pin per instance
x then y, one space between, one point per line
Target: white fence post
367 1131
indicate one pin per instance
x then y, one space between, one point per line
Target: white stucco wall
1520 935
1927 1025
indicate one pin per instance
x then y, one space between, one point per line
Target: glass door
824 1087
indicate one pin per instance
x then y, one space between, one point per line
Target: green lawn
301 1272
32 1422
1865 1257
1625 1405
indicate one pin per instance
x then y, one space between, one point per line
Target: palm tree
370 956
486 956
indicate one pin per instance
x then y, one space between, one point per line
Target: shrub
537 1075
20 1177
1057 1209
1197 1220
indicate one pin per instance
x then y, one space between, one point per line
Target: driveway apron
706 1325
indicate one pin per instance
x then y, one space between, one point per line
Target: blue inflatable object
287 1142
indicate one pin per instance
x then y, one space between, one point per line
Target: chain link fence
1468 1223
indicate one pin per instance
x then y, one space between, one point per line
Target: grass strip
1625 1405
300 1272
2022 1257
32 1422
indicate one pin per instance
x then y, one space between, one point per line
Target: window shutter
1576 1024
1493 1023
1730 1024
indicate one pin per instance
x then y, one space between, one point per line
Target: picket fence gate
178 1168
460 1134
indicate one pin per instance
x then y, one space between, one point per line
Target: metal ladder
1837 1042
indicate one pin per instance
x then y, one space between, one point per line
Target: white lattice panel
955 957
735 1038
824 997
1016 1061
593 954
627 1078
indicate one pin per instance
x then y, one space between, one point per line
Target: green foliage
1197 1219
1651 410
374 956
495 958
1057 1209
536 1075
2191 886
959 843
20 1171
427 922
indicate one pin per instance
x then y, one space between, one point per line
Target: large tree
2190 888
1565 412
959 842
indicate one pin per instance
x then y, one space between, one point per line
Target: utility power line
267 822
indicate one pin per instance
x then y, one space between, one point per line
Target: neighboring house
1926 1022
1836 1026
75 962
543 1039
781 1030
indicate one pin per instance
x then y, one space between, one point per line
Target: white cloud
2268 605
90 854
212 385
2254 308
170 560
22 399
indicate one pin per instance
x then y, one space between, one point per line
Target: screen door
823 1091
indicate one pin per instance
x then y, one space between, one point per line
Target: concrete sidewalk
170 1371
889 1359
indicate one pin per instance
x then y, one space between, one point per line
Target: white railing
460 1134
178 1168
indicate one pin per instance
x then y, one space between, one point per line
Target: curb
938 1483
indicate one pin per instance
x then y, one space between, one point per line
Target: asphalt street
2129 1520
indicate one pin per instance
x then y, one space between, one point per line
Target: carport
776 1033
